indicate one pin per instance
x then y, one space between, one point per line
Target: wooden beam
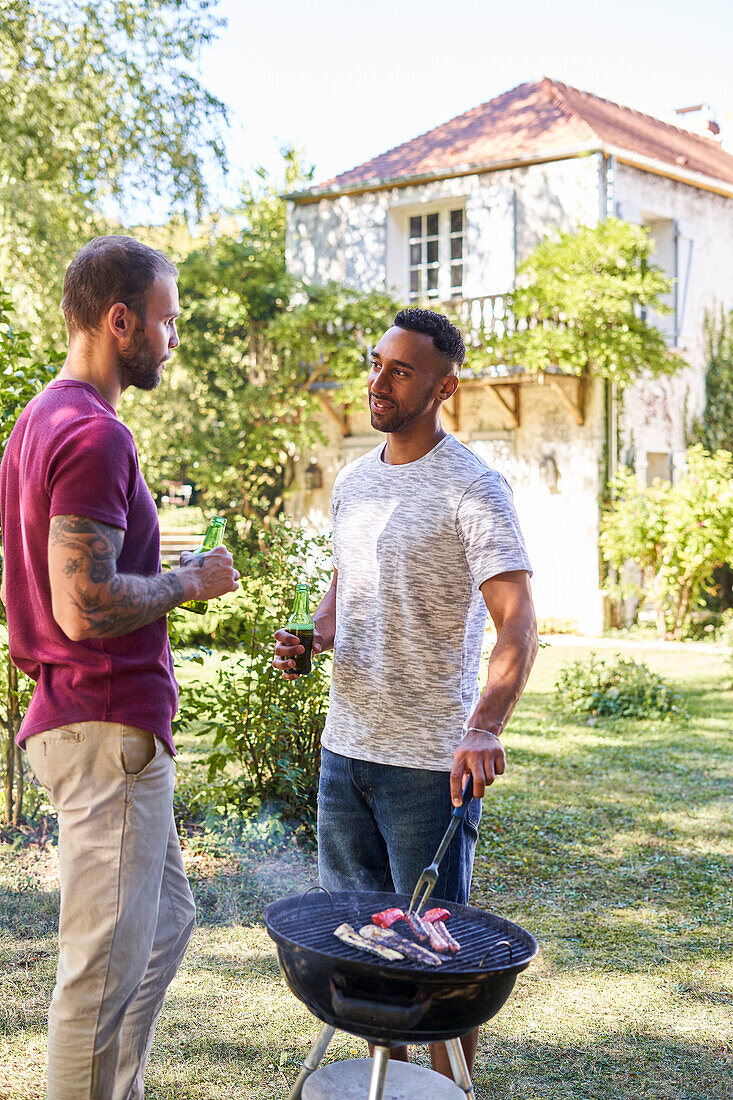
512 412
340 417
577 407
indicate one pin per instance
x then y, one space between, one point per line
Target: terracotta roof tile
539 119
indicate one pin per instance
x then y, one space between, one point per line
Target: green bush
265 731
622 688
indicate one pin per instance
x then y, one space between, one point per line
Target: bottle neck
215 535
301 606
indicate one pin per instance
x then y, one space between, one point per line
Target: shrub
266 731
622 688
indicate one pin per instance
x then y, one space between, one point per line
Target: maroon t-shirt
68 454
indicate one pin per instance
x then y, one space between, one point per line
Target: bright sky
347 81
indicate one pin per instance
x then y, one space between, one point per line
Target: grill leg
458 1064
312 1061
380 1062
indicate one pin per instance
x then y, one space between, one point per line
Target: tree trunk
19 786
13 811
682 607
657 591
9 750
661 621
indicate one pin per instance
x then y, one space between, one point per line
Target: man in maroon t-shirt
86 602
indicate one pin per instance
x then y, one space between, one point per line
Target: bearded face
139 365
397 414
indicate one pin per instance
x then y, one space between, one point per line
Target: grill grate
488 942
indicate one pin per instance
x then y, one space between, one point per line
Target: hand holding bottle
295 644
288 647
207 574
212 574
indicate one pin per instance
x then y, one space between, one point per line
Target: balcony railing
482 317
483 320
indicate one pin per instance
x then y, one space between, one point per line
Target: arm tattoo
73 565
109 603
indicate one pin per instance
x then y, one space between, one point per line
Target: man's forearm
90 598
510 664
324 618
126 603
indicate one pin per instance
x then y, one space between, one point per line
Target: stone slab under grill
349 1080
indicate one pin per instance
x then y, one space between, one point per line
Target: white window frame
398 250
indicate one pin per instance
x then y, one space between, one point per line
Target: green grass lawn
612 843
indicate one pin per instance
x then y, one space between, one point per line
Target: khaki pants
126 907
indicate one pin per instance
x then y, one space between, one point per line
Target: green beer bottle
213 537
301 624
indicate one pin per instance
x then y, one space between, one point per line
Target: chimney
699 119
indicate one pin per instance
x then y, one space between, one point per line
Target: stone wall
361 239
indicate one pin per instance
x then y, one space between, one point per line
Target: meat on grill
349 935
390 938
417 927
437 942
436 914
436 919
387 917
453 945
429 929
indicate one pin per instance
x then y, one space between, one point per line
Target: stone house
448 217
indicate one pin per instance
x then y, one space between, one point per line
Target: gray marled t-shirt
412 544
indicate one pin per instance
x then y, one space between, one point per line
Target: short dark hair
446 337
108 270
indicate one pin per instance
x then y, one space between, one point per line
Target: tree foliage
581 305
21 376
677 535
238 403
714 430
97 100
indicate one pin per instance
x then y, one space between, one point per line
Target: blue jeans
379 826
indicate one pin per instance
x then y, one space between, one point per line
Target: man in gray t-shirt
426 539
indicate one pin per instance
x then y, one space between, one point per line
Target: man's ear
119 320
448 386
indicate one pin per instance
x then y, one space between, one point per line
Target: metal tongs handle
429 876
455 819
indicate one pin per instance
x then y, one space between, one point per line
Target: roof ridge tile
553 88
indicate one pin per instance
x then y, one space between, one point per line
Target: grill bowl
395 1002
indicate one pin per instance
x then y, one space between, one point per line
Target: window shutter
683 292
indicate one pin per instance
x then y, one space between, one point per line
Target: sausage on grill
437 918
440 928
417 926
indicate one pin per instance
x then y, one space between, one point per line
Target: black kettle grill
393 1003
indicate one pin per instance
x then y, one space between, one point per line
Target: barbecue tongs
429 876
